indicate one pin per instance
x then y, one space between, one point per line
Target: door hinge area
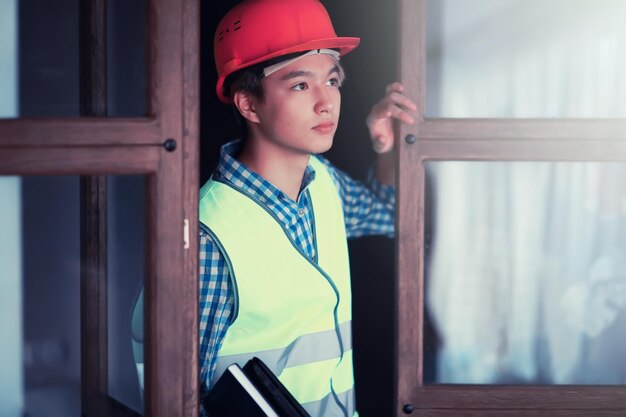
186 233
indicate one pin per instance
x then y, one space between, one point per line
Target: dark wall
217 123
369 69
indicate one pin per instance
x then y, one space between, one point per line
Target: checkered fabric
368 210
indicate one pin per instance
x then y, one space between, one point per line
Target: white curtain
11 365
527 276
11 368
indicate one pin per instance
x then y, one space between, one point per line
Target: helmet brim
343 44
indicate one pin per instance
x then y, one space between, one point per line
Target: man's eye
299 87
334 82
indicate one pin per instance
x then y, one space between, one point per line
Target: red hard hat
257 30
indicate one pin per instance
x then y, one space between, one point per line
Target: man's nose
325 102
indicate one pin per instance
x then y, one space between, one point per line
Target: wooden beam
93 216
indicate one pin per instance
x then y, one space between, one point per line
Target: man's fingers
391 111
402 101
401 114
380 145
395 86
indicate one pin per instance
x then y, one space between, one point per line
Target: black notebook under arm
276 393
253 391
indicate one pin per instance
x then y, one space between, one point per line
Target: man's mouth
326 127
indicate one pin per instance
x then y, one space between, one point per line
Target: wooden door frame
164 147
432 139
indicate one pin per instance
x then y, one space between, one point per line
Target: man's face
300 107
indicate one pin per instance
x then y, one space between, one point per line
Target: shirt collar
240 176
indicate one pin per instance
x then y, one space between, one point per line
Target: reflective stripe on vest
291 311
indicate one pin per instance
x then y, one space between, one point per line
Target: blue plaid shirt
368 210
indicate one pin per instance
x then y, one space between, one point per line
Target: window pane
40 290
48 58
525 273
51 295
125 275
40 60
126 58
11 374
8 58
526 58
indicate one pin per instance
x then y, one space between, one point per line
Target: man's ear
245 104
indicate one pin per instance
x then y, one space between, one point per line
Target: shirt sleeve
368 208
216 302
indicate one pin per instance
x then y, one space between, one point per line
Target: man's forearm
386 168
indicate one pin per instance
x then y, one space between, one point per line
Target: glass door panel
526 59
40 58
525 273
40 294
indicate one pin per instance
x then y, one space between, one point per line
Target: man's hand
395 105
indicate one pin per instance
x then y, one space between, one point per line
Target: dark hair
249 79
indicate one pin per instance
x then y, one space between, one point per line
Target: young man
274 272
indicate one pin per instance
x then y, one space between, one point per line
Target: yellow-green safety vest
291 311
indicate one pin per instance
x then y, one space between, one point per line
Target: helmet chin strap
267 71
